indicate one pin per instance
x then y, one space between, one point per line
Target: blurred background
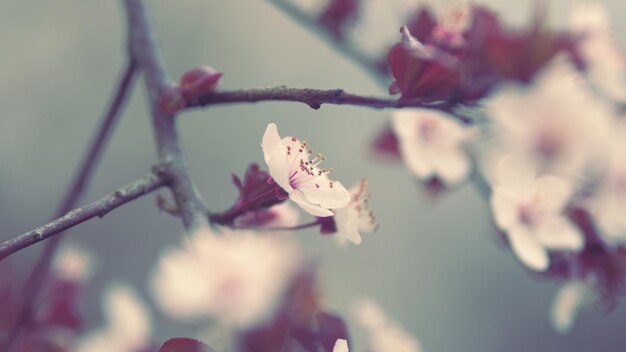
436 267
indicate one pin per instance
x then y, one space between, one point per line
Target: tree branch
144 47
77 216
363 60
312 97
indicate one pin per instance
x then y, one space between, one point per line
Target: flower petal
528 250
560 233
451 165
275 155
571 297
515 172
347 220
314 209
504 209
341 345
333 197
555 192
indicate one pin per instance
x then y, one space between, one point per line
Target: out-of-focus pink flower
128 323
238 278
356 217
604 62
339 14
73 263
572 296
530 210
292 169
431 144
384 335
555 122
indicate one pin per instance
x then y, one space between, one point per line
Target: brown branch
312 97
98 208
344 47
144 47
73 195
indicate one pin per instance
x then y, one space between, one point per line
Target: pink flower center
303 172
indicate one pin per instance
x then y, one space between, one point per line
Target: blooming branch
98 208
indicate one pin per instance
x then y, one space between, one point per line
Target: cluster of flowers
546 139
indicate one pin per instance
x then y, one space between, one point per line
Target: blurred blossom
73 263
128 323
341 346
356 217
305 183
237 278
384 335
530 210
431 144
604 61
572 296
555 122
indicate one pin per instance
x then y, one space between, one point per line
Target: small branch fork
98 208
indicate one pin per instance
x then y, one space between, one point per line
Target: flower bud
199 81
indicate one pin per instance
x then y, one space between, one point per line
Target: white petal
347 221
528 250
341 345
333 197
560 233
127 314
515 172
416 159
554 191
504 209
571 297
314 209
275 155
451 165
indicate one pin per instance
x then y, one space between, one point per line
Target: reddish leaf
184 344
338 14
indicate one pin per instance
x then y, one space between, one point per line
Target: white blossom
128 323
555 122
73 263
605 64
356 217
430 143
530 210
237 278
572 296
292 169
384 335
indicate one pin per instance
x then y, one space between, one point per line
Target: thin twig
312 97
144 47
73 195
98 208
349 50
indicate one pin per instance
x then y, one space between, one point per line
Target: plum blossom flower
572 296
128 323
305 183
431 144
530 210
341 346
238 278
604 61
554 122
356 217
73 263
384 335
